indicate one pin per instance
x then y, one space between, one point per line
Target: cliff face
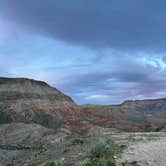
26 100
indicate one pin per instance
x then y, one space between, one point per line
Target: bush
77 141
110 163
51 163
92 163
99 149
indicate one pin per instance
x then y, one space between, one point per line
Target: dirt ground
148 149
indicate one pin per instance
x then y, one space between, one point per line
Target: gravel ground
148 152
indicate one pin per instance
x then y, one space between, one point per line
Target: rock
140 163
115 157
130 153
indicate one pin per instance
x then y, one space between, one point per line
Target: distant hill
134 115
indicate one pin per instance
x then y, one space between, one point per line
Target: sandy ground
150 152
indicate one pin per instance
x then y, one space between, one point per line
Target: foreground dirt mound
31 144
17 138
22 135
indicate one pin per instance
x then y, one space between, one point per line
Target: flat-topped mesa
146 105
27 89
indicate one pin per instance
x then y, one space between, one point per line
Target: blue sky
99 52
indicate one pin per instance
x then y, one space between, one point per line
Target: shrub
99 149
123 146
110 163
93 163
81 141
77 141
50 163
4 118
90 164
134 163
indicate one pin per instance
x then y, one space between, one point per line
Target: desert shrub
99 149
93 163
161 128
123 146
134 163
77 141
123 164
90 164
50 163
4 118
110 163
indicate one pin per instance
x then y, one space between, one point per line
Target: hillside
31 101
138 115
27 100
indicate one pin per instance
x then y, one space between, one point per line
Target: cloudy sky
96 51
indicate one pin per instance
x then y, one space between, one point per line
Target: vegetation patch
5 118
110 163
103 153
50 163
100 149
77 141
91 163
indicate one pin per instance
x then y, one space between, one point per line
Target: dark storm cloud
124 35
129 24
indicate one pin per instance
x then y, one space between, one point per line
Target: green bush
99 149
110 163
77 141
93 163
81 141
50 163
90 164
5 118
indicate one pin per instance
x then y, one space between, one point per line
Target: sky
96 51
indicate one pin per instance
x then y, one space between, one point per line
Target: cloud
98 97
54 39
129 24
127 81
